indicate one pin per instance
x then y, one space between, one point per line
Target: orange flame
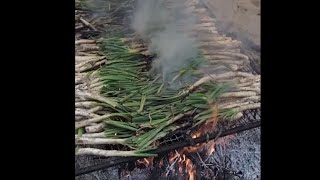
181 162
147 162
180 156
207 127
211 124
172 157
190 169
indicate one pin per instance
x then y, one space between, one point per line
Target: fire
211 124
147 162
184 163
208 127
210 148
180 162
190 149
173 156
196 135
190 169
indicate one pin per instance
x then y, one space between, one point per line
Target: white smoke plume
165 25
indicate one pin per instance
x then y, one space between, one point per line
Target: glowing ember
196 135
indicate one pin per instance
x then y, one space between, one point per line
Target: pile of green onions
143 108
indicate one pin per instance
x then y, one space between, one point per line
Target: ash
237 157
106 174
137 174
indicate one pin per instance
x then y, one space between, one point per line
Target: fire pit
185 140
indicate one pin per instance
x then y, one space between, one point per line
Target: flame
172 157
211 124
147 162
196 135
190 169
210 147
180 157
184 158
181 162
207 127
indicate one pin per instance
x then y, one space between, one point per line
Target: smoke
174 51
150 17
166 28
